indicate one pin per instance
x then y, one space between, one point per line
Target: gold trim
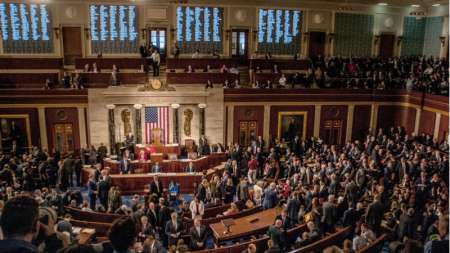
302 113
27 124
38 106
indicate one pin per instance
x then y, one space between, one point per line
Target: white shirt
258 192
282 81
155 57
196 209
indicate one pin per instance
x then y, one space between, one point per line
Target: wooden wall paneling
34 121
72 44
274 110
62 116
334 112
248 113
443 128
361 122
427 121
392 115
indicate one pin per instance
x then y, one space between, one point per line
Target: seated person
309 236
114 78
275 69
66 80
198 235
215 54
190 168
236 84
196 54
156 168
48 84
282 82
95 69
189 69
230 211
234 70
268 56
86 67
269 84
209 84
115 68
125 165
142 156
226 84
207 69
174 190
224 69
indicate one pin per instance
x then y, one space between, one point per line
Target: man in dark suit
198 235
156 168
78 166
102 152
293 207
156 187
152 245
277 234
329 214
68 170
103 188
125 166
286 221
190 168
173 229
270 197
407 226
152 213
374 214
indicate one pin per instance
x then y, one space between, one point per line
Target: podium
157 157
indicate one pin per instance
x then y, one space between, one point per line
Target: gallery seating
30 63
182 63
101 80
107 63
200 78
283 64
28 80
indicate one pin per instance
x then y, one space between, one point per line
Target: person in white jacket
197 208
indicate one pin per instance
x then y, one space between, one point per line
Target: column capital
110 106
137 106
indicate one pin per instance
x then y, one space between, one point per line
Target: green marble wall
353 34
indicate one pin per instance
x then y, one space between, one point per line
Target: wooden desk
138 183
182 63
244 227
165 149
27 80
200 78
283 64
107 63
86 236
103 79
169 166
31 63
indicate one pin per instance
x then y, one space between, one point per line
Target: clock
156 84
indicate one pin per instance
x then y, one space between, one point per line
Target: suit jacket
287 222
172 229
329 213
189 170
277 235
125 167
196 237
270 199
374 215
152 217
156 247
156 169
293 206
156 188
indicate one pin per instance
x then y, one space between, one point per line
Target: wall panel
361 122
334 113
62 116
427 120
391 115
248 113
443 128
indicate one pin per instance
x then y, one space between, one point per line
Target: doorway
332 132
158 38
316 43
239 44
387 45
72 44
247 132
63 141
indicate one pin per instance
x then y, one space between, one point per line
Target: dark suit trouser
92 200
155 69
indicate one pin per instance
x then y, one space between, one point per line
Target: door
72 44
387 45
158 38
332 132
316 43
239 43
63 141
247 132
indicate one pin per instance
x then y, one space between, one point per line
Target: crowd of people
390 181
412 73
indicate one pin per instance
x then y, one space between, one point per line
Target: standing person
198 235
78 166
173 229
103 188
102 152
68 170
156 59
92 192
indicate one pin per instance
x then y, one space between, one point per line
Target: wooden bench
27 80
31 63
375 246
283 64
101 80
81 215
333 239
107 63
101 228
200 64
200 78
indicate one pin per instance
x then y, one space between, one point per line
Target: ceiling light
436 5
382 4
415 5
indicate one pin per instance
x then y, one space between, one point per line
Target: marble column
176 135
42 128
202 119
138 123
112 128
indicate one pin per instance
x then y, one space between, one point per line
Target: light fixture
415 5
436 5
382 4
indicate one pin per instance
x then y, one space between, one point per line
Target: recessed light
436 5
415 5
382 4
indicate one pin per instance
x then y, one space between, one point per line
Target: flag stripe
157 117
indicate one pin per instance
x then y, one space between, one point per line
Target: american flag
157 117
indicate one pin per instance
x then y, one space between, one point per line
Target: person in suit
145 227
125 166
293 207
104 185
173 229
102 152
151 245
156 168
329 216
152 214
156 187
190 168
406 226
164 216
198 235
277 234
68 170
250 249
374 214
270 196
92 192
77 166
284 217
